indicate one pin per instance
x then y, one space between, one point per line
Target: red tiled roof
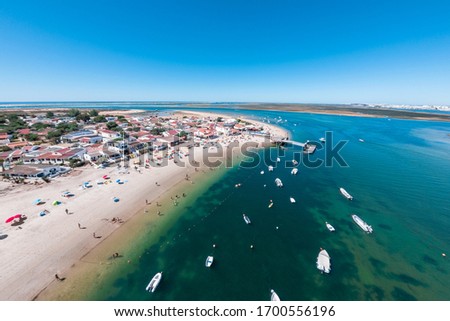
25 131
17 144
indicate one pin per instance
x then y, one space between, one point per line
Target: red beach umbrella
12 218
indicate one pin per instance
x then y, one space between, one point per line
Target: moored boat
294 171
330 227
274 296
345 193
323 261
294 162
209 261
270 168
151 287
292 199
278 182
322 140
278 159
363 225
246 219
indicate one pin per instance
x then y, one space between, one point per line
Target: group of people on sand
116 220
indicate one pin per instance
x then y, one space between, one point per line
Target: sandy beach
40 248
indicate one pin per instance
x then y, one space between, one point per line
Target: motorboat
209 261
294 171
322 140
262 173
323 261
246 219
278 182
151 287
346 194
274 296
294 162
278 159
270 168
365 227
292 199
330 227
361 140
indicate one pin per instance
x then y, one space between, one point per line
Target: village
45 144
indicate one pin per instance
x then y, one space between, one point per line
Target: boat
209 261
294 171
330 227
274 296
270 205
270 168
294 162
292 199
278 159
262 172
323 261
246 219
322 140
361 140
366 227
278 182
151 287
346 194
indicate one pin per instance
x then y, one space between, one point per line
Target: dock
308 148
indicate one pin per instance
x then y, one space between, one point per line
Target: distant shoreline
342 110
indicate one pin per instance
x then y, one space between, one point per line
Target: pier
308 148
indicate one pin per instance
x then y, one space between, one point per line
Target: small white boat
278 182
294 171
274 296
323 261
365 227
294 162
322 140
262 172
346 194
151 287
209 261
278 159
270 168
361 140
292 199
246 219
330 227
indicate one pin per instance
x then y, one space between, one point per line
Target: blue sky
226 50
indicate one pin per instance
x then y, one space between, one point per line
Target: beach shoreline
47 248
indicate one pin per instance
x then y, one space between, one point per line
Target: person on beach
59 278
67 211
79 225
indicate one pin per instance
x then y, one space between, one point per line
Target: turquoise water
399 178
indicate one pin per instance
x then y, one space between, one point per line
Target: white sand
32 253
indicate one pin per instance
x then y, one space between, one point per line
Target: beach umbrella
42 213
116 199
12 218
105 177
38 201
56 202
118 180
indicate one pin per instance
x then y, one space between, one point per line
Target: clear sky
314 51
